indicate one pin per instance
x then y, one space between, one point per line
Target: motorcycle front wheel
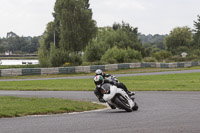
135 107
123 103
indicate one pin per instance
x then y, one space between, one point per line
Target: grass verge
169 82
16 107
19 66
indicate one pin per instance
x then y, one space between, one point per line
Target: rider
99 72
99 81
104 80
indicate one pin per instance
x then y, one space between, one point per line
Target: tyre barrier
93 68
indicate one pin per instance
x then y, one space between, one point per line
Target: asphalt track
159 112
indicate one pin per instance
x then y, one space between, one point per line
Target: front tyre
135 107
123 103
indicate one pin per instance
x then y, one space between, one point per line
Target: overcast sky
29 17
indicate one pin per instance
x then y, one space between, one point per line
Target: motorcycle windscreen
105 88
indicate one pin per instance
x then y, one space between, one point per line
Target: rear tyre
123 103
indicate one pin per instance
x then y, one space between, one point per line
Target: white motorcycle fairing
113 91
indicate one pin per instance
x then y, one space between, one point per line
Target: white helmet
98 80
98 72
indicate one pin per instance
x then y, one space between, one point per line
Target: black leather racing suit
98 93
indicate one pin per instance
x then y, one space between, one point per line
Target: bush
196 52
75 59
181 59
43 55
162 55
132 56
149 59
93 63
93 52
116 55
57 56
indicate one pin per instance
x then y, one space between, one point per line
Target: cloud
25 17
124 4
150 16
29 17
106 12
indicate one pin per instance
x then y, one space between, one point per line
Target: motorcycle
112 78
118 98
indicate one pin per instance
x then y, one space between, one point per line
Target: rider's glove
113 77
115 83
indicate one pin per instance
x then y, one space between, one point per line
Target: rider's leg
121 85
111 106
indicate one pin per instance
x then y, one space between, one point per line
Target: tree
197 32
71 30
162 55
32 44
2 49
127 36
43 54
178 37
75 23
93 52
119 36
18 44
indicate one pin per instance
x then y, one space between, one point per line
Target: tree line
73 38
68 34
19 45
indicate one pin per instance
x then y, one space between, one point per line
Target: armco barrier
135 65
123 66
31 71
146 64
46 71
66 70
194 63
111 67
6 72
82 69
88 69
164 65
181 64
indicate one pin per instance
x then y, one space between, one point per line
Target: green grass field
170 82
15 106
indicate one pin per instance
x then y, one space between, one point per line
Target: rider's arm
98 94
109 81
106 75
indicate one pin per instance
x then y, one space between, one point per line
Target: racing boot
112 106
130 93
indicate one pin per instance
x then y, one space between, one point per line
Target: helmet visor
98 82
